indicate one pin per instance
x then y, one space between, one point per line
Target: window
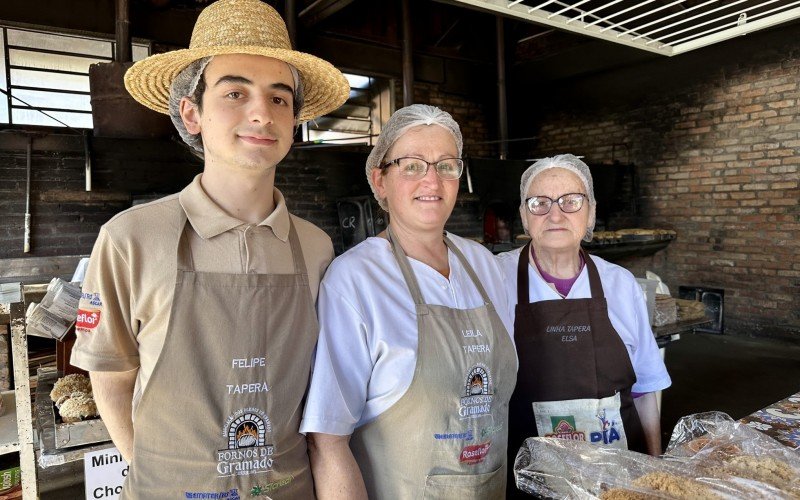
359 120
50 72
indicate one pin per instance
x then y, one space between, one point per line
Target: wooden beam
320 10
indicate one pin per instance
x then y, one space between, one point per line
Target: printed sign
104 472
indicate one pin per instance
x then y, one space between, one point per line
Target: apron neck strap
471 272
405 267
523 289
184 251
186 261
410 277
594 276
297 249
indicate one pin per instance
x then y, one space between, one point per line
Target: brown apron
568 350
220 415
446 437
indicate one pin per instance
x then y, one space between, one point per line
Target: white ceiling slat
620 24
733 24
569 7
598 9
601 26
698 16
541 6
705 23
619 13
665 18
744 29
520 11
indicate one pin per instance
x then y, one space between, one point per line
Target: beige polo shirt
127 293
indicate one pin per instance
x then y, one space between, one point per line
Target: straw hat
239 27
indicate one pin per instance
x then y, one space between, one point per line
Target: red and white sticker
474 454
87 319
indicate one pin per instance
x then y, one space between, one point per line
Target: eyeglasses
413 169
568 203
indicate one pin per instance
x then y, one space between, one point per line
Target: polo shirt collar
209 220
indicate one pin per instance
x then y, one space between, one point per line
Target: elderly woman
589 364
415 364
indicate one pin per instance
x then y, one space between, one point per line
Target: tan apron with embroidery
446 437
221 413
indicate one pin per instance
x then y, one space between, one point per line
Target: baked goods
79 406
766 470
674 486
72 396
690 309
636 231
623 494
69 384
665 484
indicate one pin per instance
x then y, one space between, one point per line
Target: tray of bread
66 411
709 456
632 234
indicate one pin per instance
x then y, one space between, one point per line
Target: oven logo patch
477 395
247 450
565 428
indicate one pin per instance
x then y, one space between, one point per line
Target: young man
197 321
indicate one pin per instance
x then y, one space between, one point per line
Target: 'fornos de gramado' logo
478 390
247 450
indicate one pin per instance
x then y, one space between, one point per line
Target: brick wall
66 218
472 116
717 160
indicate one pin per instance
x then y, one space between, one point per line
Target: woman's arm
647 407
336 473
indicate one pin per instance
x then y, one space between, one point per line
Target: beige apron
446 437
220 416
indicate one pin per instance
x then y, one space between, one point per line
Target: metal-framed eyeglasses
568 203
414 169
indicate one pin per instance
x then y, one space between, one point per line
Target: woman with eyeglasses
589 364
415 364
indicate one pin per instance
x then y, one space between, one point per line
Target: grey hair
189 83
567 162
399 123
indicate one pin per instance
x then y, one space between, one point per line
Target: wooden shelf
9 438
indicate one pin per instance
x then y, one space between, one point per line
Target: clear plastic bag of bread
556 468
718 447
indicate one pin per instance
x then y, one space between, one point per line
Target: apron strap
523 289
405 267
471 272
296 249
184 251
594 276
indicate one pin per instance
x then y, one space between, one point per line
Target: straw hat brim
324 86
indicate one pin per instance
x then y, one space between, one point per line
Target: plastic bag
709 456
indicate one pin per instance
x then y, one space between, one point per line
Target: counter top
780 421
